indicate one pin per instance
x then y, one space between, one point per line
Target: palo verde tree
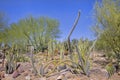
107 15
35 31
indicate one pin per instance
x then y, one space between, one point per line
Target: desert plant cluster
33 41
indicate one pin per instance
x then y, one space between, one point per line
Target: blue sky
65 11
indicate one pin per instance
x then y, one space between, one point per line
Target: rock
20 69
15 74
6 75
61 77
119 73
27 77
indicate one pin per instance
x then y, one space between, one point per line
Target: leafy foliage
35 31
107 16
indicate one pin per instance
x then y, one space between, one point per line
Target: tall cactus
72 29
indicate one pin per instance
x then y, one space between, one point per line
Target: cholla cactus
11 60
32 59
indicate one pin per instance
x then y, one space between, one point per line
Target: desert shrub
107 15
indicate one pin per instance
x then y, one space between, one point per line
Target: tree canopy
34 31
107 15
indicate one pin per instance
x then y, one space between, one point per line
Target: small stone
2 75
6 75
27 77
61 77
15 74
20 69
119 73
